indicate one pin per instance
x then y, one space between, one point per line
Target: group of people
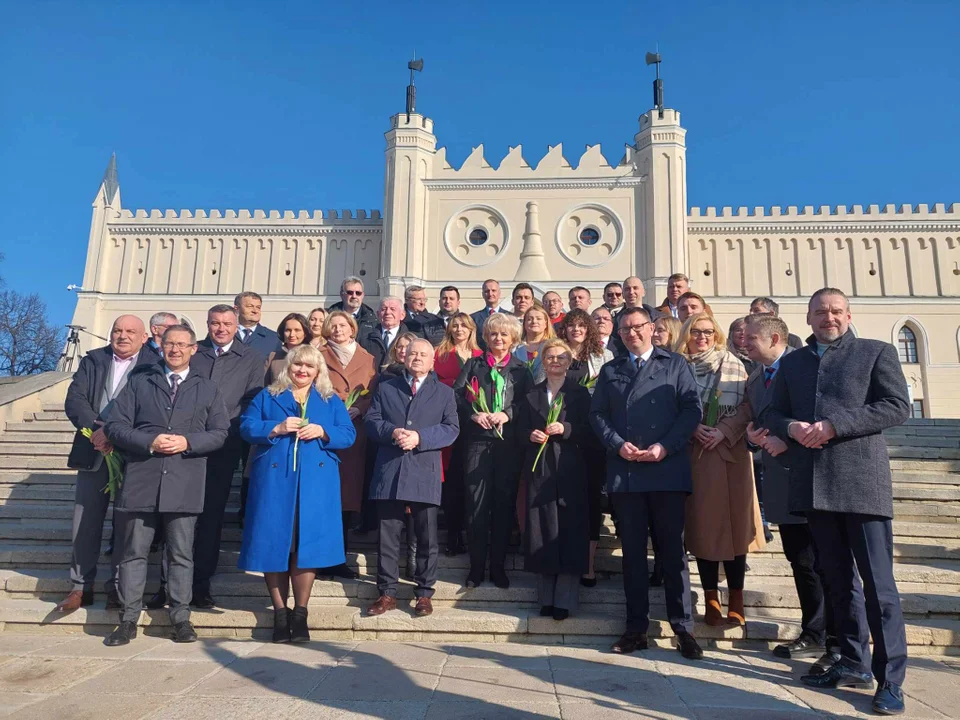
534 418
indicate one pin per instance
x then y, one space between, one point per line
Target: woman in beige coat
723 517
350 368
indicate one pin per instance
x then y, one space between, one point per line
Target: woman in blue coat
293 523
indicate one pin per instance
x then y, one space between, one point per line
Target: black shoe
499 578
183 632
455 546
108 550
158 601
203 600
802 647
298 626
839 675
688 646
113 599
474 579
122 635
560 614
630 642
339 571
889 700
281 625
546 611
767 535
588 582
825 662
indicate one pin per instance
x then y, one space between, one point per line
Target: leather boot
713 615
298 625
281 625
735 608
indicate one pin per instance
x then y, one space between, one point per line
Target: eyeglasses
615 294
635 329
351 293
703 333
178 346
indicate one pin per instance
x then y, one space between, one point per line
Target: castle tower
411 146
106 205
661 201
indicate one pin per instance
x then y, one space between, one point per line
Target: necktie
413 386
174 383
386 338
640 363
219 351
244 334
768 376
492 311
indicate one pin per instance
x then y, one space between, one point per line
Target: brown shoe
735 613
76 600
383 604
713 614
424 607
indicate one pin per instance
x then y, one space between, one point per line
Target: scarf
732 378
343 352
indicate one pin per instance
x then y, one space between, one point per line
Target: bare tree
29 343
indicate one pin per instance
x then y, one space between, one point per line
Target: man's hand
409 440
353 412
654 453
100 440
311 431
756 435
169 444
630 452
554 428
774 445
397 434
812 435
539 437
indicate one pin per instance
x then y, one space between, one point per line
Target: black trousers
816 613
595 463
452 500
392 520
634 511
491 473
221 466
850 544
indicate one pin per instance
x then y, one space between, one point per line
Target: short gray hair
411 289
391 298
159 318
351 280
181 328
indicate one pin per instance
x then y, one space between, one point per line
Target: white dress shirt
120 366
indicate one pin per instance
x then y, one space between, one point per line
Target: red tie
492 311
413 386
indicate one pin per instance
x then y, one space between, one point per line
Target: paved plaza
76 677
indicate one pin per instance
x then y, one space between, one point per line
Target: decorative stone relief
476 235
589 235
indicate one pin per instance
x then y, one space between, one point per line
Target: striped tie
174 384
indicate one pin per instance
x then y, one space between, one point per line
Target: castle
553 224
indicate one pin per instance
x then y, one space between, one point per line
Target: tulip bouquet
712 416
478 401
114 468
303 423
552 414
588 382
355 394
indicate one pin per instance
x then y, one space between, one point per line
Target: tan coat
360 372
723 515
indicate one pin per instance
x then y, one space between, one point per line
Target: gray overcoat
857 385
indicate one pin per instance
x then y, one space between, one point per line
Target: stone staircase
36 507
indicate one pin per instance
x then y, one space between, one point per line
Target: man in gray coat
101 376
766 343
833 399
166 421
412 418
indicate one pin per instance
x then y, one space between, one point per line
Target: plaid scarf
732 380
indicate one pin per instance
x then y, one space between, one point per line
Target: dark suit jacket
373 343
415 475
857 385
776 472
479 318
264 341
517 383
366 318
658 404
794 341
143 410
82 404
427 325
238 373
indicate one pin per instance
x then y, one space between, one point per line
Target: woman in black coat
558 510
491 459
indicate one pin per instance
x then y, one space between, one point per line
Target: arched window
907 345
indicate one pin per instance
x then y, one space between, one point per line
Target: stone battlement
553 164
371 217
940 211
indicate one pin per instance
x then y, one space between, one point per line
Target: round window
478 236
589 236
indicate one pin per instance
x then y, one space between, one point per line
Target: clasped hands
762 438
489 421
310 431
100 440
541 436
812 435
631 453
406 439
708 436
165 444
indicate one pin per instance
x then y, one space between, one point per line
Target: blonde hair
719 338
341 314
409 337
448 344
503 321
553 343
674 328
548 331
308 355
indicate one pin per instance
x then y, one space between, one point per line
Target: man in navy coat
832 400
249 306
412 418
645 409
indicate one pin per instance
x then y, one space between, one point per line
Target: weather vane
414 66
655 59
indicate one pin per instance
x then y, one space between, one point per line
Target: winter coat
517 383
238 373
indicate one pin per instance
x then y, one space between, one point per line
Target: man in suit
380 338
351 301
645 408
766 338
613 297
449 303
166 420
605 324
491 301
419 321
100 377
159 322
691 304
833 399
237 370
677 285
249 307
412 418
766 306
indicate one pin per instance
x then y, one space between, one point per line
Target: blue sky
283 105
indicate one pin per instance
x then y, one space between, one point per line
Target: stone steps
41 427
